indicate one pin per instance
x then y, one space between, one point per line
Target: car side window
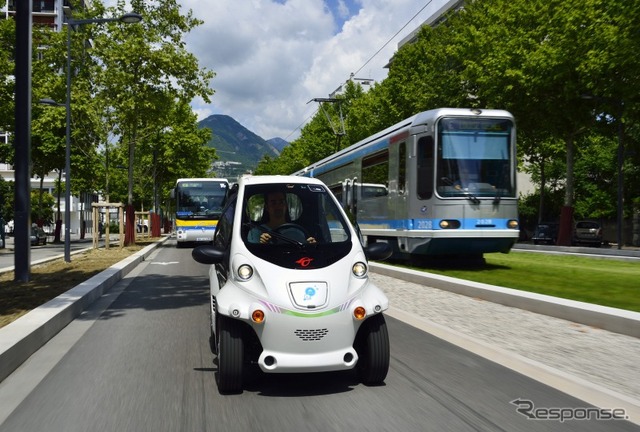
222 239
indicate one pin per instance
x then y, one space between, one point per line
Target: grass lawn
592 280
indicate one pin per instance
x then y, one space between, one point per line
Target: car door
222 239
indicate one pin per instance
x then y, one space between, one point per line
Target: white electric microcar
300 301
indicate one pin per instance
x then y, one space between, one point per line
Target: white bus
198 202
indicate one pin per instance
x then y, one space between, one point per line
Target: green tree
126 86
145 71
536 59
7 195
7 48
41 207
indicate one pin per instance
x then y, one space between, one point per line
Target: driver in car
275 215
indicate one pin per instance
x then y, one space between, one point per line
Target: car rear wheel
372 346
230 355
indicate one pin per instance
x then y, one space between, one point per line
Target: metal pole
22 253
67 168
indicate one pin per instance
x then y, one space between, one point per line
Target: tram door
350 202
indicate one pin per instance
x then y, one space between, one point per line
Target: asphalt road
139 360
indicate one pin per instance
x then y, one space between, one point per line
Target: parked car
38 236
546 233
292 298
587 232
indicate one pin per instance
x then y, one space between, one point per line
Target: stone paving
608 359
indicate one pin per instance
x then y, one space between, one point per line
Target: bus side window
425 168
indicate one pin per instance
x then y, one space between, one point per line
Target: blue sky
342 10
272 56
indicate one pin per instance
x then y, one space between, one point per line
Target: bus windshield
475 158
200 199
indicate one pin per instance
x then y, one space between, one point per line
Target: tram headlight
512 224
449 224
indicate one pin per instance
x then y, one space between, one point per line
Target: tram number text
424 224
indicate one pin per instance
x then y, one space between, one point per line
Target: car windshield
306 229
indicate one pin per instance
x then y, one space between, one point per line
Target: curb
21 338
603 317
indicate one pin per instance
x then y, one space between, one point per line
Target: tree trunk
543 180
56 235
566 217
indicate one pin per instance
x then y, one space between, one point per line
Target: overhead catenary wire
367 62
392 37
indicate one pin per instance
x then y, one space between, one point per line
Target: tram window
425 168
337 191
402 165
375 173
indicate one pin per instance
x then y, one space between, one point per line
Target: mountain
236 145
278 143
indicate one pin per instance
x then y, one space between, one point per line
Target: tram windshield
475 158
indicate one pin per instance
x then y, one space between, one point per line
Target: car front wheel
372 346
230 355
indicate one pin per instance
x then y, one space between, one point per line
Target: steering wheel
295 227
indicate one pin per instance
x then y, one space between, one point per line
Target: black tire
372 346
230 355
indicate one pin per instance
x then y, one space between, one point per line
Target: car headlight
359 269
245 272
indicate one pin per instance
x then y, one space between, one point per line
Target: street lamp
128 18
619 104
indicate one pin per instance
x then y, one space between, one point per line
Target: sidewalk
594 365
74 238
10 241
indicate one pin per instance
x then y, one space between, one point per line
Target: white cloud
272 57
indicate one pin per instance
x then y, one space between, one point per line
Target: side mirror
207 254
378 251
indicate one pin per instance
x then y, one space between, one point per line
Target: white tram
440 183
